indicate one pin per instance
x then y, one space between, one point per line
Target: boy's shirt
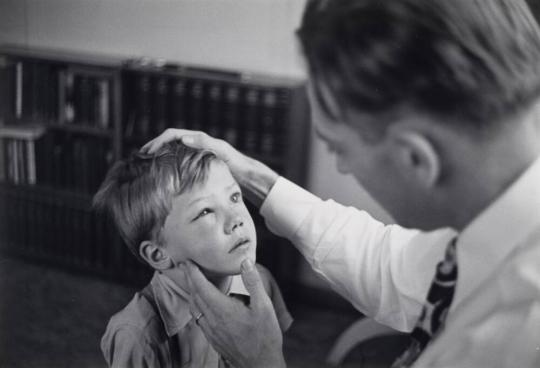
156 328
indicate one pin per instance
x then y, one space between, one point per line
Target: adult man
433 106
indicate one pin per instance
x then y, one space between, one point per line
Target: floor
52 318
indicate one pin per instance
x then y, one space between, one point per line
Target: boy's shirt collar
172 301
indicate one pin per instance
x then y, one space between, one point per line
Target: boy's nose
234 223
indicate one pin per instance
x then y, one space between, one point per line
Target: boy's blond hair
138 191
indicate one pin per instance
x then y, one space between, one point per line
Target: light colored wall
242 34
255 35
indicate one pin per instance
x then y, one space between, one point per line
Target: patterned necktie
439 298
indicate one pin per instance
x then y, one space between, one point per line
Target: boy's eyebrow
197 200
233 184
229 187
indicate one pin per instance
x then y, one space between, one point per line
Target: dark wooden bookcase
65 117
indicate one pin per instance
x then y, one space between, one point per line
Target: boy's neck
222 283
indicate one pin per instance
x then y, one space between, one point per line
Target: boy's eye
236 197
203 213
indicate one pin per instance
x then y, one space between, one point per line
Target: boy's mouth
241 243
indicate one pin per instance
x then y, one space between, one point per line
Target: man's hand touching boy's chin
247 336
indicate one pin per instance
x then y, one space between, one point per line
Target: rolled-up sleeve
383 270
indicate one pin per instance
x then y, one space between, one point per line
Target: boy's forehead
217 178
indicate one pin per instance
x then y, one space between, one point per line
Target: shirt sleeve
125 347
383 270
272 288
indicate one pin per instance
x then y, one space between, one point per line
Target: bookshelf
65 117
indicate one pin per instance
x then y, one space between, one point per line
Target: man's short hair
470 63
138 191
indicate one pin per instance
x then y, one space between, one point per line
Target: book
18 153
51 94
103 103
159 104
82 101
57 162
33 105
7 89
40 89
66 97
142 105
24 137
231 114
3 161
196 105
281 120
268 122
21 161
31 162
250 120
10 161
215 100
19 85
177 103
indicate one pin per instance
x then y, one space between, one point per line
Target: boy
179 204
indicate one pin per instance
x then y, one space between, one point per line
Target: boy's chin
237 269
234 269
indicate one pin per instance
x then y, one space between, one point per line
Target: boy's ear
155 255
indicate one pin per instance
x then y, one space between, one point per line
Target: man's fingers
199 140
167 136
203 288
196 308
146 147
205 309
253 283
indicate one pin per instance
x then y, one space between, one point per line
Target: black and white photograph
269 183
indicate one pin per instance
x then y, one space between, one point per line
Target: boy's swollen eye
236 197
204 212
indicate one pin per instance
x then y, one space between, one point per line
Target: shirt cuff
286 207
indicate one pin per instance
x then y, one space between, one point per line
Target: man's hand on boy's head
237 162
247 336
194 139
255 178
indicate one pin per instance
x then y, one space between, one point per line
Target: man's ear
155 256
416 155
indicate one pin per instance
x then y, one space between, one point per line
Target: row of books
35 90
18 161
74 162
61 160
18 154
85 99
55 93
250 117
63 231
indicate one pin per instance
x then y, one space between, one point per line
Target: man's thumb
196 140
188 140
252 281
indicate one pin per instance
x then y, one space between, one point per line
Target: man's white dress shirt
385 270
